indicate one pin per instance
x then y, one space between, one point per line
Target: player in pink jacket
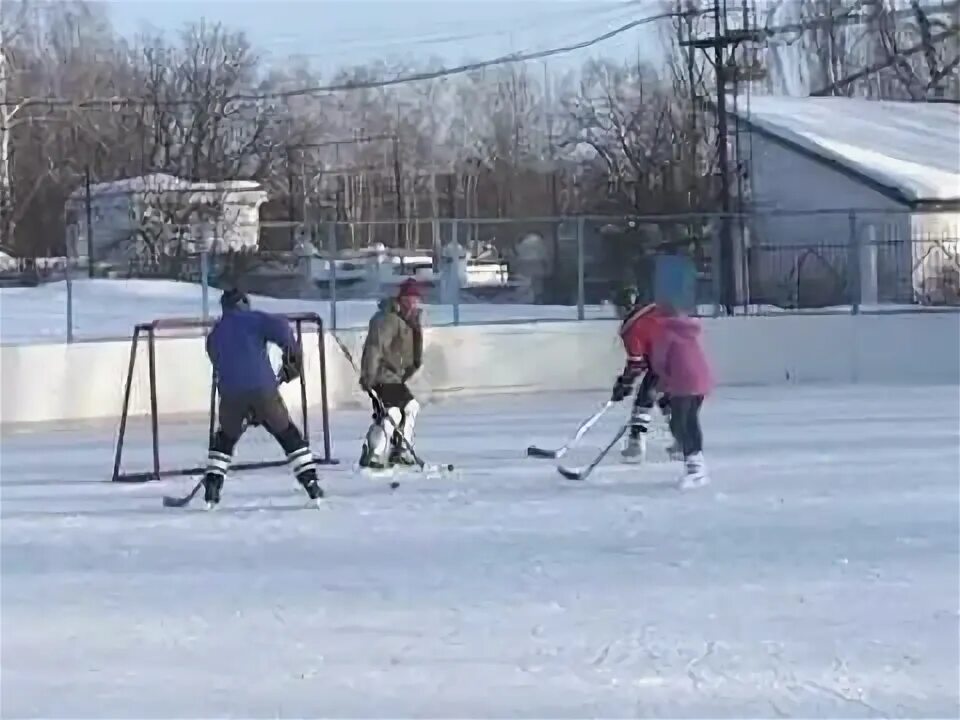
684 373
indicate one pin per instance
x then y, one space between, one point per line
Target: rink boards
84 381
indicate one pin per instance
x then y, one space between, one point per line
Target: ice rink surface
816 576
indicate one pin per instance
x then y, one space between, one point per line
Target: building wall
814 243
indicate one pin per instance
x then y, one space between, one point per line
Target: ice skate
696 473
369 461
311 485
365 456
634 448
376 454
399 456
211 490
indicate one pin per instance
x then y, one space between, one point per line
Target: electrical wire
439 37
512 58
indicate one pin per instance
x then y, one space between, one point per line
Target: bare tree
631 121
192 125
62 50
883 49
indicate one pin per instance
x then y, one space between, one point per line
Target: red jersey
638 332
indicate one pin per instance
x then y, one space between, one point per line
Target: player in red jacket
640 325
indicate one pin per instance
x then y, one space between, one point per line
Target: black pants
257 407
685 423
391 395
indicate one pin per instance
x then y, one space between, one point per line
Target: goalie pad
380 434
409 422
383 436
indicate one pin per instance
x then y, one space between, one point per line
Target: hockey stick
424 467
178 502
583 473
536 452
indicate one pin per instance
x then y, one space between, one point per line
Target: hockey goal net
169 383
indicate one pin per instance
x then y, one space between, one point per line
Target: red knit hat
410 288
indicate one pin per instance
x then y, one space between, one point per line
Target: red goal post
304 324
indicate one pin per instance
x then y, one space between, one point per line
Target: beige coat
393 350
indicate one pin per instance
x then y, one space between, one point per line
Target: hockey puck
394 485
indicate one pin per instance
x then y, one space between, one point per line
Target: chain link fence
502 270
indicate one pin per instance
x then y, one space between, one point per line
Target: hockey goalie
392 354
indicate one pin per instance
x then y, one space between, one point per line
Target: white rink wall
85 381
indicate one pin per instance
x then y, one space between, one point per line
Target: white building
163 214
876 190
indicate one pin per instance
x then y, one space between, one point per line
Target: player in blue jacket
249 391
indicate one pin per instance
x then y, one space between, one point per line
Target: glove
291 366
621 388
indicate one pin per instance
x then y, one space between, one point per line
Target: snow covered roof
911 148
161 182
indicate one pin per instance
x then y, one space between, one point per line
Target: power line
439 36
118 102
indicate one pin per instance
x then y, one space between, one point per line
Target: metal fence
555 268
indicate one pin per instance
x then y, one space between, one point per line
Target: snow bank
85 381
108 309
909 146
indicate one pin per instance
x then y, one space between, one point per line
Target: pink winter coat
678 358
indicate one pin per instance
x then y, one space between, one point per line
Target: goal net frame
302 323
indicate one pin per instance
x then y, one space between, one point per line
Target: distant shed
164 214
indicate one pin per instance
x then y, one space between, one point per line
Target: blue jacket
237 348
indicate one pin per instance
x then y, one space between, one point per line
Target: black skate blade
535 452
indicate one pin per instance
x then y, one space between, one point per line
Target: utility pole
401 235
6 204
554 195
718 44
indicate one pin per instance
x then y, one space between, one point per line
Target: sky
338 33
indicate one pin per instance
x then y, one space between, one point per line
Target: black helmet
234 298
626 298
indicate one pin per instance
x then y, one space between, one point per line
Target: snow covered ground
817 576
110 309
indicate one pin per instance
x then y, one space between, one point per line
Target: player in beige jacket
392 354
